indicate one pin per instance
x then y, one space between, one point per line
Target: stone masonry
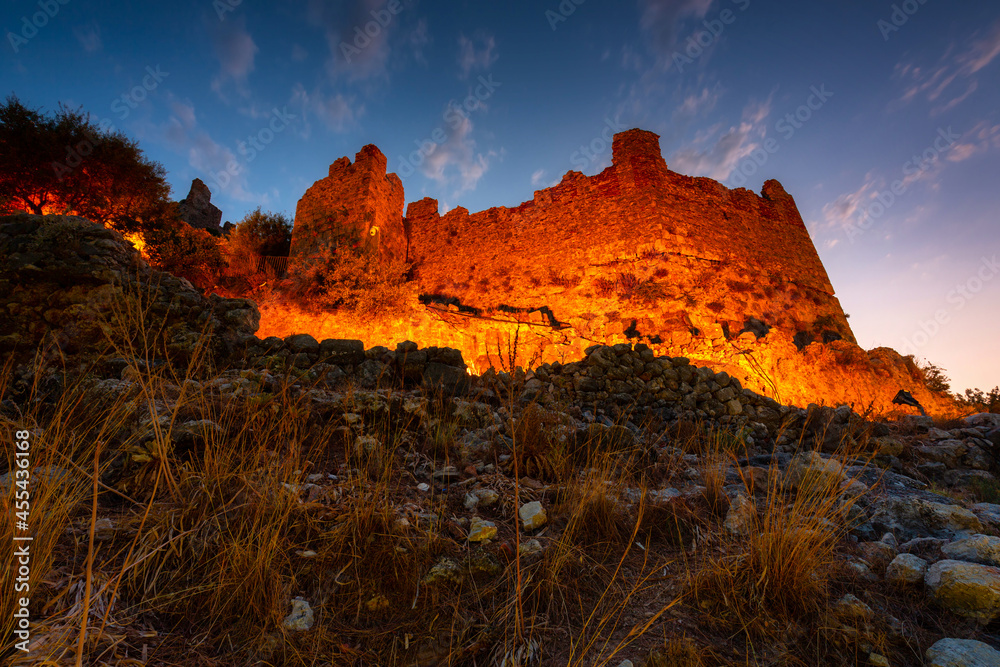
356 200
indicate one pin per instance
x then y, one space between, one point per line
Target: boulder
917 517
961 653
906 569
983 549
810 471
990 420
302 343
967 589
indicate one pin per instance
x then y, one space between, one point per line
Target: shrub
350 277
933 377
186 252
259 235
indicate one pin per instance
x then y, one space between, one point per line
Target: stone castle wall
666 250
635 254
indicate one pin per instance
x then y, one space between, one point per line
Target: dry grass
217 525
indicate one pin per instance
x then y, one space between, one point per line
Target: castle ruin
634 254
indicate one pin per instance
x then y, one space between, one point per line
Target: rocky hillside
299 501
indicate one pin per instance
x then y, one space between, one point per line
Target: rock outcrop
198 210
68 282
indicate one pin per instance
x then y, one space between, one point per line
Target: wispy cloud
699 103
89 36
236 50
935 83
661 20
716 152
337 112
455 162
419 40
476 54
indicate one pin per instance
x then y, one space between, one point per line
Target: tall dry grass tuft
65 434
772 581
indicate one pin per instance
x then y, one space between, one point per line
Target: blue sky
882 119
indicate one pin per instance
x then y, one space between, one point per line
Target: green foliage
350 277
263 234
67 164
934 377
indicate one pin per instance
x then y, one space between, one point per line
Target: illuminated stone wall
670 252
356 197
637 253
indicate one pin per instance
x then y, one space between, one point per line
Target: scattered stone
532 515
906 569
480 498
104 530
878 660
850 608
739 518
445 571
482 530
301 618
530 547
961 653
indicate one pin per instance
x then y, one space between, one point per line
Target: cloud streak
935 84
716 153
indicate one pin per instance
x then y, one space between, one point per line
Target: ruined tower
356 200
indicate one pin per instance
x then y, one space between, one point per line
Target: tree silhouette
68 164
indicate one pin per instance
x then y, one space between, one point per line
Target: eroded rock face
198 210
68 281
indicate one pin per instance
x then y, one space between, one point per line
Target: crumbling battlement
635 253
360 199
679 248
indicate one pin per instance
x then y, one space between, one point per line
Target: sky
881 119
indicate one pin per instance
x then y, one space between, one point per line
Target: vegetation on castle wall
350 277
